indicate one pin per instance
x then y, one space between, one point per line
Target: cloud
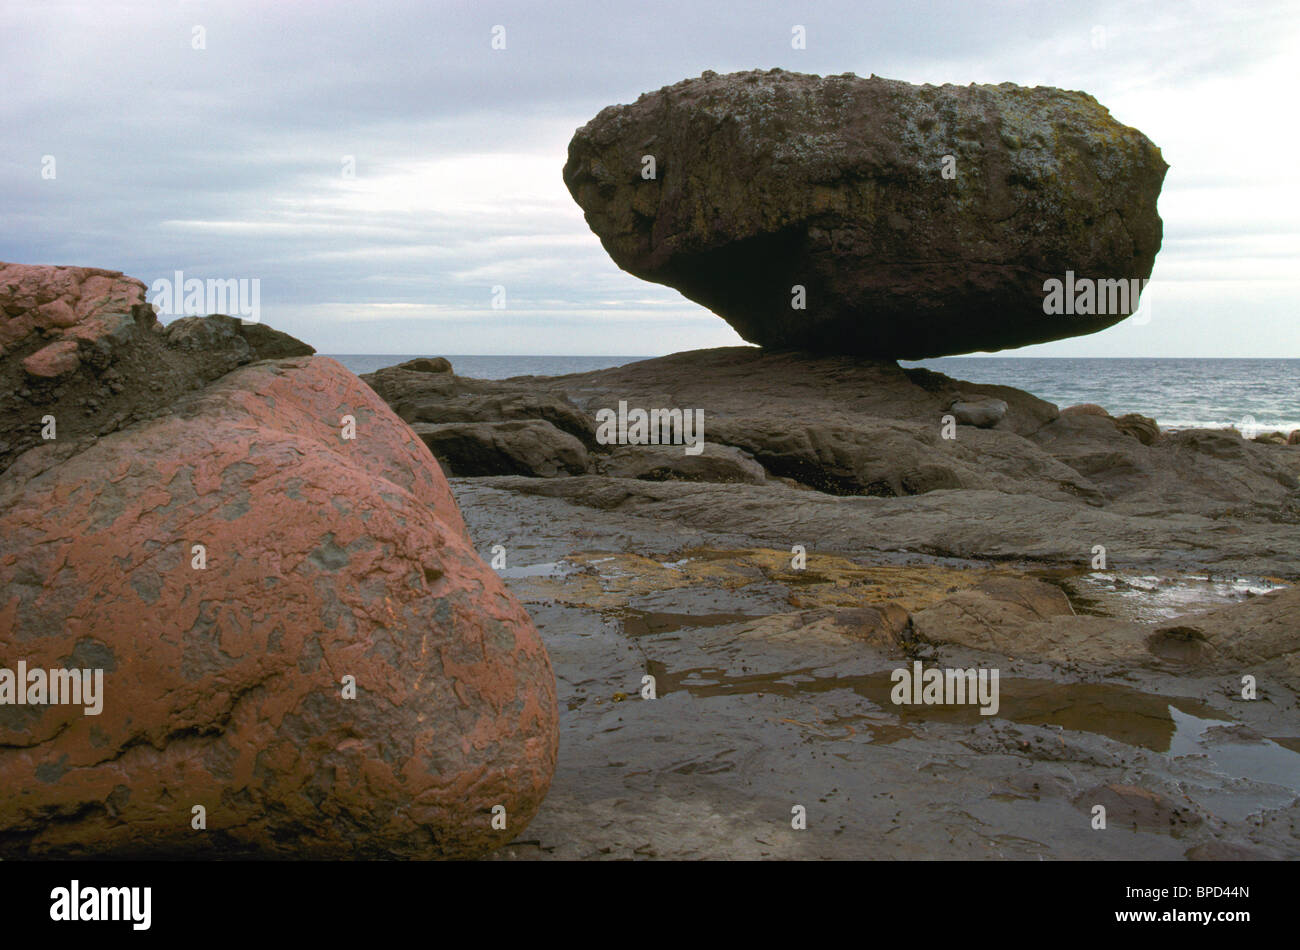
232 160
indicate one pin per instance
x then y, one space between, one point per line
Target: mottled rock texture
61 301
324 558
81 346
764 181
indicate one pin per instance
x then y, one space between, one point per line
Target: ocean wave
1262 426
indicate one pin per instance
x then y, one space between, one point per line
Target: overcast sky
228 161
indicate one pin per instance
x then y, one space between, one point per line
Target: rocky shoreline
1121 684
657 610
682 570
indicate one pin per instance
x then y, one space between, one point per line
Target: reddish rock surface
57 359
80 346
34 297
223 687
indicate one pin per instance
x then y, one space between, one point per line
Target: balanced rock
871 216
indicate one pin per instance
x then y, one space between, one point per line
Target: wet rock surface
832 530
1120 685
815 212
774 689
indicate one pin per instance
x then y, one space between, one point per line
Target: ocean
1177 393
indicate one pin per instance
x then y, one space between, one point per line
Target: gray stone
522 447
426 364
716 463
984 414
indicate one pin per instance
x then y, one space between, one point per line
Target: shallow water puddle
641 623
1117 712
1287 742
548 569
1151 598
1258 759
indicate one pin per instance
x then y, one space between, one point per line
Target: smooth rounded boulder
875 217
283 641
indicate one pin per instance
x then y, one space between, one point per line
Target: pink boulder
35 297
50 362
302 653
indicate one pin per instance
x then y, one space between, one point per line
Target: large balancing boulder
875 217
